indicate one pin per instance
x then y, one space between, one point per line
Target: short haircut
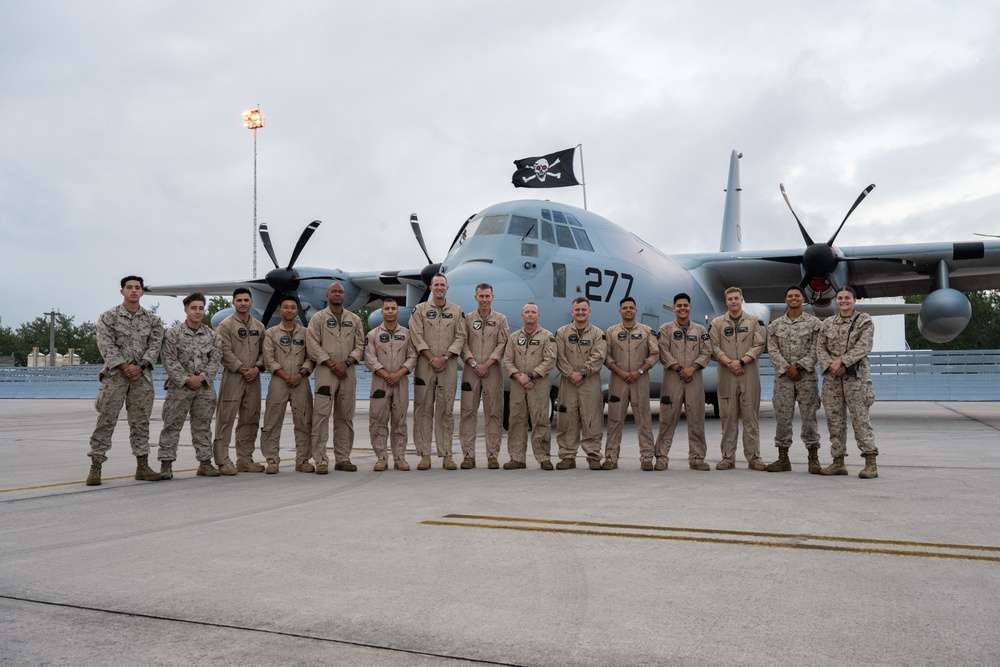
484 286
797 289
194 296
288 297
624 299
242 290
581 299
136 278
682 295
440 275
734 290
848 288
390 299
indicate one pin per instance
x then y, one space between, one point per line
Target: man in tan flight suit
129 338
529 357
191 357
285 359
632 352
438 332
242 337
685 350
335 340
580 353
791 344
390 356
738 339
486 337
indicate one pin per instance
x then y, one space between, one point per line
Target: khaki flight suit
581 409
389 350
630 350
739 395
533 353
285 350
338 341
125 338
440 330
680 349
848 393
242 345
486 338
197 351
793 343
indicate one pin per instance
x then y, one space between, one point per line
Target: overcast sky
122 148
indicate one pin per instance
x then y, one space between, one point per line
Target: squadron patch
678 335
477 325
241 332
383 338
622 335
728 331
432 314
705 336
522 340
284 340
331 323
573 338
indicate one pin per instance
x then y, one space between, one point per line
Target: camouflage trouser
333 395
786 394
534 404
237 398
490 390
621 394
675 393
387 417
848 394
137 397
200 403
279 395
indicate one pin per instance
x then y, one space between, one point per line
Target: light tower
253 120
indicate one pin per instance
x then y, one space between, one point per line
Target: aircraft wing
210 289
874 271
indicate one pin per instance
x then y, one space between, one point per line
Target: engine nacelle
944 314
403 318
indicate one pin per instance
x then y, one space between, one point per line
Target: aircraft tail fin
732 234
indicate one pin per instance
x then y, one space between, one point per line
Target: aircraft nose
508 287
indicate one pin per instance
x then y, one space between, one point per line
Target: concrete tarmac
522 567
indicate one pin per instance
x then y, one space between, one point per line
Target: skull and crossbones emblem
541 168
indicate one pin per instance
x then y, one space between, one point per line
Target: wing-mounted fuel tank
945 311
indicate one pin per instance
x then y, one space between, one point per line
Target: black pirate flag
554 170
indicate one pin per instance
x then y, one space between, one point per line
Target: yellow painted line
714 531
716 540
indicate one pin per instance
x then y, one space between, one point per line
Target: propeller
432 268
285 281
819 260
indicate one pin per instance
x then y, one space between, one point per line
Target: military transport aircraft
551 253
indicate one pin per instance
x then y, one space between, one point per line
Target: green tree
215 305
983 332
82 338
363 312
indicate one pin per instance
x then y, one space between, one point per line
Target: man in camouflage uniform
632 352
285 358
242 337
738 340
485 340
580 353
335 340
845 341
791 344
191 357
129 338
438 332
390 356
529 356
685 350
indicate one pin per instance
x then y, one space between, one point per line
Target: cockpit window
572 220
558 217
565 236
546 214
523 227
493 224
548 234
582 240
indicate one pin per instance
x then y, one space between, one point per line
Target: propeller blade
864 193
420 237
265 237
303 239
302 311
805 234
272 305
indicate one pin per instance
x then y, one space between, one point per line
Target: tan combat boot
143 472
345 466
448 463
248 465
468 463
782 464
272 468
835 468
870 471
94 478
206 469
425 463
166 469
814 466
492 463
401 464
380 465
